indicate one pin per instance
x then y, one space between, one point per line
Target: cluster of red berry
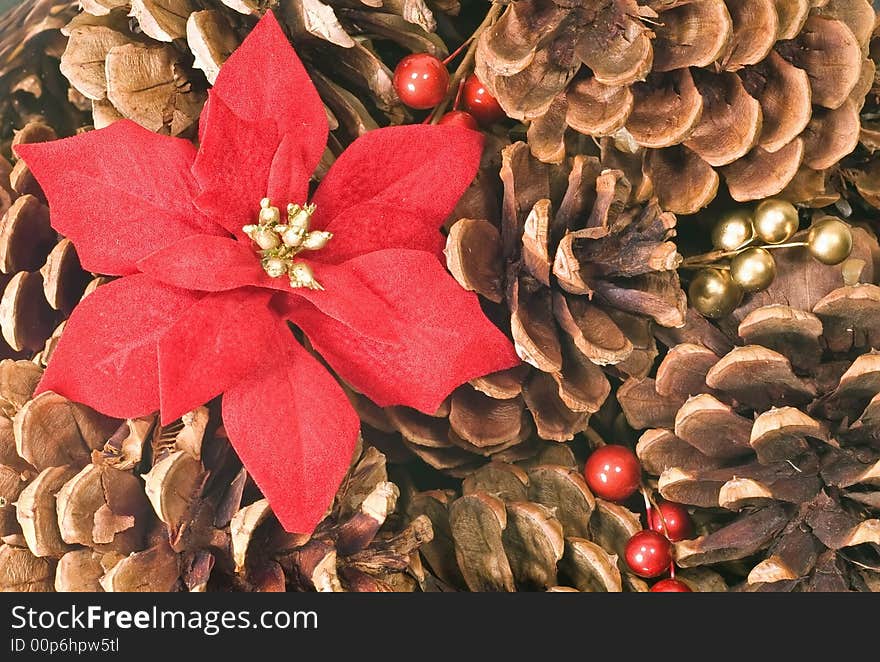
614 473
422 81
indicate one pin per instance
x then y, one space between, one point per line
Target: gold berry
266 239
298 218
293 237
734 230
316 240
830 241
713 293
301 275
268 213
775 221
275 267
753 269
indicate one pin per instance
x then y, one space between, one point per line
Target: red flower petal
295 432
232 167
265 80
107 356
393 188
118 193
209 264
443 337
262 99
348 296
213 346
289 173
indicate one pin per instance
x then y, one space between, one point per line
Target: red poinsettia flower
210 277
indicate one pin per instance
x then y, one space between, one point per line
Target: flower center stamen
279 243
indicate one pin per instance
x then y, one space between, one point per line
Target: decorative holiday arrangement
742 263
779 433
439 296
766 93
202 289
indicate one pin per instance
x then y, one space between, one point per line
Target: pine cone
775 442
44 443
39 270
764 91
31 85
526 527
75 501
495 428
41 275
87 504
862 168
579 275
152 62
362 545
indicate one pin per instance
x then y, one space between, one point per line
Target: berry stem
710 258
650 506
466 63
649 511
454 54
458 95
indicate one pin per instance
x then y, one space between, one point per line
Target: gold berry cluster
741 261
279 243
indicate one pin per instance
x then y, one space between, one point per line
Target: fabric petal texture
264 79
444 339
295 432
232 167
289 173
263 85
119 193
213 346
107 357
347 295
209 264
195 316
394 188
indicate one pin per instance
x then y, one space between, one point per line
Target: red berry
421 80
675 518
670 586
479 103
648 554
459 118
613 472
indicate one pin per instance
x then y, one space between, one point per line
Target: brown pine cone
40 273
530 527
152 62
775 443
579 275
87 504
45 442
862 168
31 86
39 270
77 513
764 91
362 545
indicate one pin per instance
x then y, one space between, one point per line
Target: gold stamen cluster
742 263
280 243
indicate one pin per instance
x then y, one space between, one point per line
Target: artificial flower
201 309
